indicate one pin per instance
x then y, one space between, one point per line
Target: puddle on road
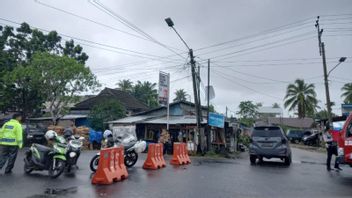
56 192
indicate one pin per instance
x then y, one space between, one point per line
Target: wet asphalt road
306 177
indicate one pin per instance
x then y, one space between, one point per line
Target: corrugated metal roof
130 120
66 117
174 120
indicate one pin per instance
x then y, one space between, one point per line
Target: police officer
331 149
10 142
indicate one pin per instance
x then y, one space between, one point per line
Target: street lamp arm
184 42
334 68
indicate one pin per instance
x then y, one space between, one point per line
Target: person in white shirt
331 149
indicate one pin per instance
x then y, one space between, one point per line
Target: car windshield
267 132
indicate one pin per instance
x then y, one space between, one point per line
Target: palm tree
146 92
125 85
180 95
301 96
347 93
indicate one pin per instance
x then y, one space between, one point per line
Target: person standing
331 149
10 141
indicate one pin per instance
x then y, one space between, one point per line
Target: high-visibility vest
11 133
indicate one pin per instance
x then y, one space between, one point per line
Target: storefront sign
164 81
216 120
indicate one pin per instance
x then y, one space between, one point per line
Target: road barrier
111 167
155 157
180 155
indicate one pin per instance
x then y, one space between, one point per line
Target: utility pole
326 82
226 112
196 81
208 89
208 102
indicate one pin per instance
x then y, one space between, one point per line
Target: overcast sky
263 44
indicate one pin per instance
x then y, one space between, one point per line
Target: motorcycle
131 149
73 151
39 158
311 140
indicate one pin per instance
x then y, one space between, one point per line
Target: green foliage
125 85
17 48
105 111
323 114
248 112
244 139
347 93
212 108
146 92
180 95
56 79
301 96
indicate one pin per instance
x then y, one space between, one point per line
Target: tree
125 85
301 96
276 105
248 112
146 92
323 114
105 111
347 93
56 79
17 48
180 95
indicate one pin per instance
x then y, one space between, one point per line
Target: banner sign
164 81
216 120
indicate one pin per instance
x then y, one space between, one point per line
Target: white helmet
50 135
107 133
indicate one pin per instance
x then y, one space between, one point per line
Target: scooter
73 152
39 158
311 140
131 149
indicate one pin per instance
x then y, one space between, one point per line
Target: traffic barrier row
180 155
155 157
111 167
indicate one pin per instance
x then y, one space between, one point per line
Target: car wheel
287 160
252 158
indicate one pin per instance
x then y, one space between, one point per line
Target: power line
136 53
262 45
242 85
95 22
127 23
271 47
260 38
305 21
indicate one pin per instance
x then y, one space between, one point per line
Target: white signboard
164 82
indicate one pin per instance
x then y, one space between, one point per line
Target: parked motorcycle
311 140
74 145
39 158
131 149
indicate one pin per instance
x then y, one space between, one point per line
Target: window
267 132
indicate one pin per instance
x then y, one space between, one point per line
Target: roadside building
129 102
148 126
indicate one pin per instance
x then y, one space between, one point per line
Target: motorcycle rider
331 148
10 141
68 132
109 139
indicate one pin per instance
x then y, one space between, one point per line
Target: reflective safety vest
11 133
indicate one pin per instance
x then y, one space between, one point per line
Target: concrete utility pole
326 82
208 102
196 82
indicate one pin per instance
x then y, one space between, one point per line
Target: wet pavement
306 177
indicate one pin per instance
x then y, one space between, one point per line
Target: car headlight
29 136
72 154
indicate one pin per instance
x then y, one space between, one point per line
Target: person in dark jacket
331 149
